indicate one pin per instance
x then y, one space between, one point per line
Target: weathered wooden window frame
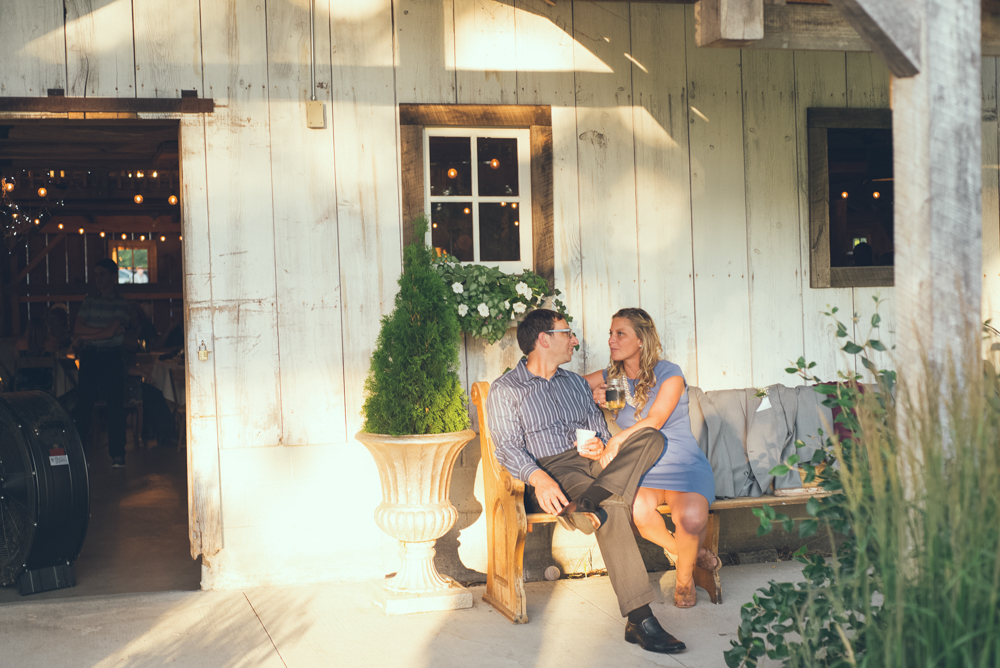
821 274
413 118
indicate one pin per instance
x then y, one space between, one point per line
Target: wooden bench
507 526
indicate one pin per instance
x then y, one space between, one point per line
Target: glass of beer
614 395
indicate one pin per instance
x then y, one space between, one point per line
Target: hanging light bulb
172 199
513 205
140 174
42 192
8 184
37 221
434 225
142 237
130 174
466 211
124 236
503 203
102 234
180 237
137 199
163 238
452 173
155 175
517 223
494 163
61 226
80 230
844 194
876 194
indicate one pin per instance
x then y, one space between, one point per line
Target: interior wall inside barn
680 180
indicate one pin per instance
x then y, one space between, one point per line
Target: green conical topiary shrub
412 385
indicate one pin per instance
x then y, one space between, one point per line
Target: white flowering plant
490 301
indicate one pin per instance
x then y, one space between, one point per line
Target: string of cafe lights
19 220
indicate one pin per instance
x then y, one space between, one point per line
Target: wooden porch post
938 183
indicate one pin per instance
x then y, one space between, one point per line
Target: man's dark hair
538 321
109 264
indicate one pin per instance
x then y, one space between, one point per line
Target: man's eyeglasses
567 330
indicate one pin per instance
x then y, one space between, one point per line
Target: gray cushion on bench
743 444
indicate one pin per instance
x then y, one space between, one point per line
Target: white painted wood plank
718 202
33 37
241 231
607 175
425 51
868 87
239 152
368 209
772 214
167 48
820 82
197 256
246 373
305 231
663 179
99 48
991 196
549 79
485 52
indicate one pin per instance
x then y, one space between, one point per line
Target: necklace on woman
629 399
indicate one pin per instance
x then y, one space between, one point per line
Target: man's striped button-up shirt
532 417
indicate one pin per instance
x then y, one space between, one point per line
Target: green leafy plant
489 301
916 576
412 385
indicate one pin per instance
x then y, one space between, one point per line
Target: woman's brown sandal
685 597
709 562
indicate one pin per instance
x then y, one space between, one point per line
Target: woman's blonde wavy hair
645 329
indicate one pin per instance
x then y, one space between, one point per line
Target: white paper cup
582 436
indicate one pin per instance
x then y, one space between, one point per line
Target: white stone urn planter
416 476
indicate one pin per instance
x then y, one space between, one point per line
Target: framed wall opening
86 189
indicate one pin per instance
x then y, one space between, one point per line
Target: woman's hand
592 449
599 396
611 449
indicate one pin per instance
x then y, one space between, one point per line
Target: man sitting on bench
534 412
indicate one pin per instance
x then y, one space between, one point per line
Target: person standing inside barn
98 338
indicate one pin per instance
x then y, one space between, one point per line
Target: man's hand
550 496
592 449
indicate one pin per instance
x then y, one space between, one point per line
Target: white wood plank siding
819 82
868 87
607 175
32 35
718 202
241 225
364 130
772 213
663 179
204 494
545 75
99 48
425 51
485 52
305 231
167 48
991 198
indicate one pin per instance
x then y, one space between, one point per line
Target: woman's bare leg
689 511
649 521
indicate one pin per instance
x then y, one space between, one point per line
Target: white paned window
477 194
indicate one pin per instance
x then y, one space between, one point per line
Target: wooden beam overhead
118 105
821 27
728 22
891 27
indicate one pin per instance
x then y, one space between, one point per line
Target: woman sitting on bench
656 396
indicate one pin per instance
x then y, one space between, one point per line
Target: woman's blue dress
682 467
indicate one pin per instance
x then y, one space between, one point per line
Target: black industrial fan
44 493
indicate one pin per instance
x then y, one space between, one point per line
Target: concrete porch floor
573 623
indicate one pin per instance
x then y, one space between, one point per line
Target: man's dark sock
592 497
640 614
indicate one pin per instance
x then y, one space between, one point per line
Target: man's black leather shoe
649 635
